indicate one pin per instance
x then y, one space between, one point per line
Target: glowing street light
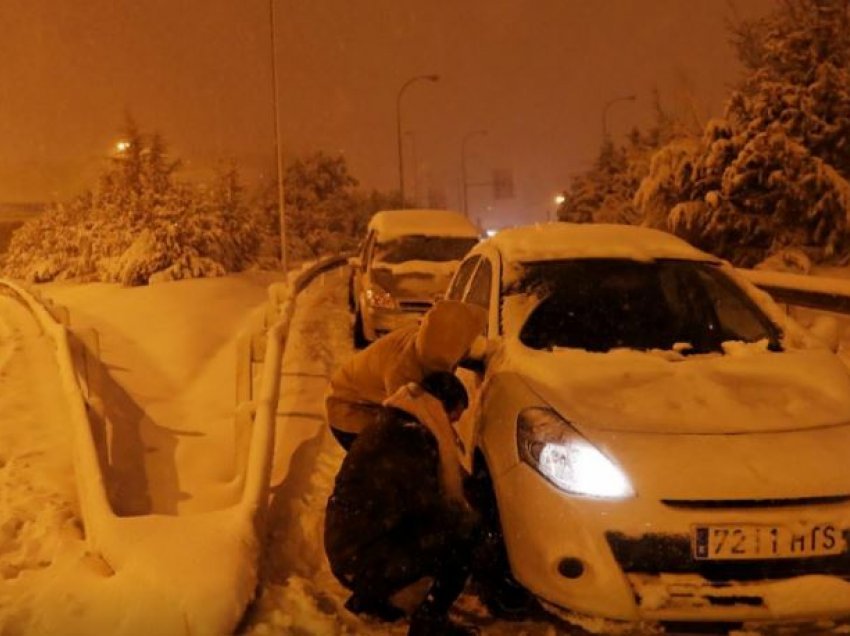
559 199
122 146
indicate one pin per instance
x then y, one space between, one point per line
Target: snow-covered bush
774 172
140 223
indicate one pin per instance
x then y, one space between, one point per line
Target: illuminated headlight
548 444
380 298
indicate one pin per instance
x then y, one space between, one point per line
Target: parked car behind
661 441
406 261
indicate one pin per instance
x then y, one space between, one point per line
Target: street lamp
430 78
277 144
466 138
608 104
410 134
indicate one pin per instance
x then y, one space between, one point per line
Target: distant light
122 146
559 199
490 233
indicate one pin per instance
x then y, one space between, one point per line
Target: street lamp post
410 134
608 104
404 87
277 144
466 138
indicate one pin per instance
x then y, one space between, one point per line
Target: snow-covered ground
170 353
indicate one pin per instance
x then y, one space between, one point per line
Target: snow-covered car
662 442
405 262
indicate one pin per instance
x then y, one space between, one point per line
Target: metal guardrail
281 308
813 292
148 543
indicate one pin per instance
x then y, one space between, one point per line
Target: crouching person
398 513
408 354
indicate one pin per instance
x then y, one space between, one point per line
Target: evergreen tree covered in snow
139 225
773 173
324 212
605 193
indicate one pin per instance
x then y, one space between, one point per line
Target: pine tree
773 173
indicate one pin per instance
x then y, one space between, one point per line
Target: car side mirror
827 330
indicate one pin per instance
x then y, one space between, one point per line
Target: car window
479 288
604 304
461 278
424 248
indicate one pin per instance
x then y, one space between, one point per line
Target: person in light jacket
358 388
398 511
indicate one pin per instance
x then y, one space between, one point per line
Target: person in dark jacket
398 512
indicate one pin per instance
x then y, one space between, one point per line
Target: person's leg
380 571
449 552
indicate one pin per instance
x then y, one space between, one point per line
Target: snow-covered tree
139 225
605 193
773 173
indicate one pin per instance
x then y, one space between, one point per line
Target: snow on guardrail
173 574
814 292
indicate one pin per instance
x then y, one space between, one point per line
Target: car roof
558 241
394 223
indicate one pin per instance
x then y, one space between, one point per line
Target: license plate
731 541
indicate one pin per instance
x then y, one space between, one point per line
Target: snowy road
39 526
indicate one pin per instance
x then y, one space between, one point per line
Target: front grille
714 504
671 554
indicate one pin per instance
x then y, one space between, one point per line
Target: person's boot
381 609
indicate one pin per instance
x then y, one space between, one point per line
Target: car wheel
358 336
501 593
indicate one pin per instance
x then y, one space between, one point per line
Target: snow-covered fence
91 489
813 292
279 312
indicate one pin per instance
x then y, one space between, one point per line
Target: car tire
358 335
504 597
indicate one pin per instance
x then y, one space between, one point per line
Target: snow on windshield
423 248
603 304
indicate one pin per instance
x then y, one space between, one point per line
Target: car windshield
424 248
599 305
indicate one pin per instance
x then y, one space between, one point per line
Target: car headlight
552 447
380 298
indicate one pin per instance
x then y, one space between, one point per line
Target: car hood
420 280
748 390
688 470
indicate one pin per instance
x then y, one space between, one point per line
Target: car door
482 291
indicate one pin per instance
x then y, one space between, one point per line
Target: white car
664 444
406 261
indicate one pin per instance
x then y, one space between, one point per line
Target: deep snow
177 373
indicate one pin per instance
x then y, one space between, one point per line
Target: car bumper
637 562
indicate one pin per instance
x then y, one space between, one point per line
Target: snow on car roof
394 223
551 241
